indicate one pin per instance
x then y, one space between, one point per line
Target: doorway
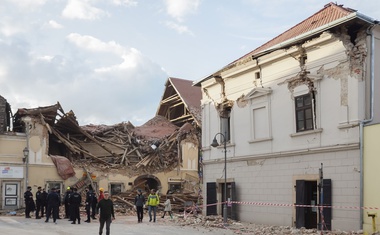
306 197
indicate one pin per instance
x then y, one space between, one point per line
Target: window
225 125
116 188
53 184
304 112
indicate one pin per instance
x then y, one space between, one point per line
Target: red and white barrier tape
294 205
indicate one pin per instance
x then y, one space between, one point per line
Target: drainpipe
365 121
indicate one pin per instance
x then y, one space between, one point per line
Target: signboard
11 172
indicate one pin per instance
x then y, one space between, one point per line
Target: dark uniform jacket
106 209
53 199
75 199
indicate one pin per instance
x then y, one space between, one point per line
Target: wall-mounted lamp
26 154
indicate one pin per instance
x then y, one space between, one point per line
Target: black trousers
140 213
29 207
67 210
75 212
52 210
88 211
38 209
108 225
93 208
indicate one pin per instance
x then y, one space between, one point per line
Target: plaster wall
273 181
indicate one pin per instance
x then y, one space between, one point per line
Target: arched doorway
147 182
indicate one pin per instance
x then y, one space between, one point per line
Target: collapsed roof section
181 102
5 115
150 148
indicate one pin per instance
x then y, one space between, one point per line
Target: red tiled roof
328 14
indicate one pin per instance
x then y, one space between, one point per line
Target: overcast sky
108 60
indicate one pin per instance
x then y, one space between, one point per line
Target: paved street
125 225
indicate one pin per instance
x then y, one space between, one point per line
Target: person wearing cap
44 195
53 203
75 201
89 200
66 202
152 203
105 206
29 203
139 205
39 203
93 205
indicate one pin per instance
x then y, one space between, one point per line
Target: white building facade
290 113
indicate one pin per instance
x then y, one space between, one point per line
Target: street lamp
26 160
216 144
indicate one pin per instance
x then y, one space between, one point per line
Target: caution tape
295 205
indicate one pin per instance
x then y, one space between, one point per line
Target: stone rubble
211 222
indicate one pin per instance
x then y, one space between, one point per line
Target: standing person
39 203
53 202
101 194
106 213
168 208
89 199
152 203
139 204
44 195
29 203
66 203
93 205
75 201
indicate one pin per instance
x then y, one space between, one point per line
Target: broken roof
181 102
328 17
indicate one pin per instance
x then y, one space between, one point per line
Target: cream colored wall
371 174
11 148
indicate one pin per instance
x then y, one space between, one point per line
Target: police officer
29 203
75 200
53 203
89 201
66 202
94 204
44 195
39 203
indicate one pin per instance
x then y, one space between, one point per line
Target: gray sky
108 60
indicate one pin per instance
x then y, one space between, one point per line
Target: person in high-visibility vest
152 202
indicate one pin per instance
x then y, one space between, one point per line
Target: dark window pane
308 114
300 115
300 126
309 124
299 102
307 100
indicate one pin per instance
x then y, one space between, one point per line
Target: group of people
152 202
40 207
72 201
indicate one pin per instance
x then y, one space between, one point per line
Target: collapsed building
162 154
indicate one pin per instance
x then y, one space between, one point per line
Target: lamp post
26 160
216 144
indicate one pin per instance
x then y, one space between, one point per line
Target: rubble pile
250 228
151 148
180 202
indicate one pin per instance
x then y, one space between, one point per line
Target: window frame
304 108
